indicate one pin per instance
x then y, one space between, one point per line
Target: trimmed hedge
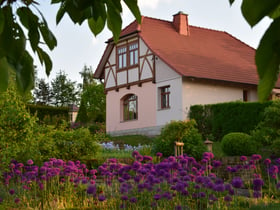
238 143
216 120
52 113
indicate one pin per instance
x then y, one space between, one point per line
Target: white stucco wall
146 95
165 76
203 93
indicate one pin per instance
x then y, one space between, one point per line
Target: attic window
122 57
127 55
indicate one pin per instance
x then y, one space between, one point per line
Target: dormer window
127 55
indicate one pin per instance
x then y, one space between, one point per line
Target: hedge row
49 113
216 120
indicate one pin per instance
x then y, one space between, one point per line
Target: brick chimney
181 24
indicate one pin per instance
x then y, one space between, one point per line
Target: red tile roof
205 53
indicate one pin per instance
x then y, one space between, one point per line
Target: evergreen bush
238 143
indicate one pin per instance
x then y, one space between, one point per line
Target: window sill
124 121
127 68
162 109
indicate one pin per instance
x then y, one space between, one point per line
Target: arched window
130 107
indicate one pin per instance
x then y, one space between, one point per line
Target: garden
64 167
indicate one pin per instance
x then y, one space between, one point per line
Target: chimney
181 24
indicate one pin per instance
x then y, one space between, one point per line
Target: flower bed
172 183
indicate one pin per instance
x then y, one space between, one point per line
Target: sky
78 47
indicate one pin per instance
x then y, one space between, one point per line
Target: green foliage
216 120
21 25
64 91
16 128
268 53
75 144
48 114
13 38
42 93
93 99
269 128
97 127
133 140
275 147
237 143
183 131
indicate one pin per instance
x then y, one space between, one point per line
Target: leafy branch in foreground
21 22
268 52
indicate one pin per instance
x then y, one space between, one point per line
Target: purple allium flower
17 200
159 154
256 157
278 185
12 165
219 188
237 182
201 195
91 189
157 197
209 155
234 170
1 200
227 198
216 163
12 191
243 158
273 169
178 207
135 153
267 161
147 158
139 158
30 162
101 198
133 200
171 159
258 183
212 197
257 194
124 197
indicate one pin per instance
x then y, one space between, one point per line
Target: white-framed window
127 55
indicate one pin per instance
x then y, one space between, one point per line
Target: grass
133 140
217 149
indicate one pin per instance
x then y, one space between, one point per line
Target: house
73 112
159 69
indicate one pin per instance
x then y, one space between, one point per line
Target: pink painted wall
146 107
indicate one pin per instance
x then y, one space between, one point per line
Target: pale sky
77 46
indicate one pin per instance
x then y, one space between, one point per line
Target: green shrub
222 118
269 128
16 128
97 127
184 131
275 147
238 143
75 144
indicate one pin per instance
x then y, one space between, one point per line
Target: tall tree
42 93
93 100
64 91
